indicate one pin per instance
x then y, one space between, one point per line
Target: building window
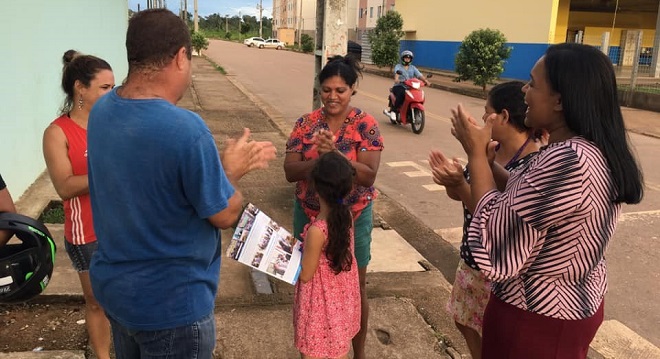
379 11
360 13
371 12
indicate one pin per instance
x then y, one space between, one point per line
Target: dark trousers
399 91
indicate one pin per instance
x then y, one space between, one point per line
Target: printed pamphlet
262 244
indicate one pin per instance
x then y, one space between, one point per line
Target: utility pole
226 23
261 18
195 18
300 23
331 38
239 24
185 11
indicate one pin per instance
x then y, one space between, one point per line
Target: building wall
563 14
434 30
35 37
309 16
595 24
369 11
362 14
623 20
288 16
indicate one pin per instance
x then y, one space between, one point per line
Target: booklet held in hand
262 244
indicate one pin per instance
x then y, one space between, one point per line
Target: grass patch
216 66
54 213
654 89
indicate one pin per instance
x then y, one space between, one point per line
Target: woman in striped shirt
540 235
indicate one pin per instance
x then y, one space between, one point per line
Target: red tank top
78 226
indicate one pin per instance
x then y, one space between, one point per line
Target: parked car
253 41
273 44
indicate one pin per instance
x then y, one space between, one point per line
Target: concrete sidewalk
253 312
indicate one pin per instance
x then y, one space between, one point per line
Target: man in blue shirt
402 72
160 193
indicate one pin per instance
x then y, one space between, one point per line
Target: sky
208 7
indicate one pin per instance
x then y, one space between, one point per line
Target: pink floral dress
326 310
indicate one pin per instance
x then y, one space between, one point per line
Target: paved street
283 81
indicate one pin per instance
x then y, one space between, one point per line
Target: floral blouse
359 133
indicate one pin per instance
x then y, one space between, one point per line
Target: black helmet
25 268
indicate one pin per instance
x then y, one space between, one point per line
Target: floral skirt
469 297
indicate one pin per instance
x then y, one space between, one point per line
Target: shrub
307 43
481 57
228 35
199 42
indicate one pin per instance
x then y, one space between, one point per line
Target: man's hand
242 155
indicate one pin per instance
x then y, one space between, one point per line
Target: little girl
326 309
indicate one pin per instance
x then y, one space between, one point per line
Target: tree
199 42
481 57
384 39
245 28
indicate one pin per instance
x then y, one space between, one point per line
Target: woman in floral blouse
337 126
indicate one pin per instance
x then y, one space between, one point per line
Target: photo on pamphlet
261 243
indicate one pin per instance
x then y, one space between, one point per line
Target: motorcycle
412 109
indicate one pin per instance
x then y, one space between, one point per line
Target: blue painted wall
441 54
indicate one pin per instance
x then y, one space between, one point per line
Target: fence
634 54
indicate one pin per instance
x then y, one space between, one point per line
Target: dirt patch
57 326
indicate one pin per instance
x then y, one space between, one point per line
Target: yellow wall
563 10
593 35
521 21
624 20
595 24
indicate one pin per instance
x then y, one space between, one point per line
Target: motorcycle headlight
415 85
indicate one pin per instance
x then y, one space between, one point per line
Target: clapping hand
448 173
475 139
325 141
243 155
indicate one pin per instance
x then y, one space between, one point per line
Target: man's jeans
194 341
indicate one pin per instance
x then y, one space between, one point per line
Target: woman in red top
338 126
85 79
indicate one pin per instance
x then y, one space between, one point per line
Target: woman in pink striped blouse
541 233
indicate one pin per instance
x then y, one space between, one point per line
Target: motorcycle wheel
417 122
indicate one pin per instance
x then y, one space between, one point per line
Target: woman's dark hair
346 67
509 96
81 68
332 178
585 79
153 38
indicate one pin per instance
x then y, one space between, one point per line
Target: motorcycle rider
402 72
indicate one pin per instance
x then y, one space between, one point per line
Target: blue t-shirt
154 178
410 73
